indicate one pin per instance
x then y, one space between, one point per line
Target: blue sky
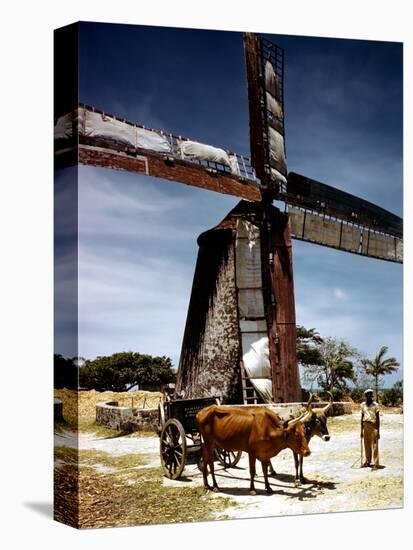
137 235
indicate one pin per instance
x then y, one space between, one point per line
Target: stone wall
285 409
126 419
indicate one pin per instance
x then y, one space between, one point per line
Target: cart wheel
228 459
173 448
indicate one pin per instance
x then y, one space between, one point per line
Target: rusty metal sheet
296 221
399 250
325 199
381 246
250 303
248 256
322 230
247 230
254 325
350 238
341 235
248 264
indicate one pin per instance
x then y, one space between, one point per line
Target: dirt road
335 485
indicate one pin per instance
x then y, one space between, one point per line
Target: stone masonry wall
126 419
285 409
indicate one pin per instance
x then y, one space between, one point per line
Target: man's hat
368 391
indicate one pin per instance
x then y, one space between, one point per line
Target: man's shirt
369 411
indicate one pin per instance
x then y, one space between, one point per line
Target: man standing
370 429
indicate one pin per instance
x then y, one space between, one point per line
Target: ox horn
307 415
295 421
329 405
309 403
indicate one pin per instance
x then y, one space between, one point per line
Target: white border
26 272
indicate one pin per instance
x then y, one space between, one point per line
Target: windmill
240 336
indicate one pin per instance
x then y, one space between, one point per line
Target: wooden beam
255 86
150 164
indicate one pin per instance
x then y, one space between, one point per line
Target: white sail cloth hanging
100 125
201 151
252 320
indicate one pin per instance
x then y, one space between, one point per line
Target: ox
314 424
255 431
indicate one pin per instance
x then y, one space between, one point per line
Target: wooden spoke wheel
228 459
173 448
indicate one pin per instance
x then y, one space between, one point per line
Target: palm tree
379 366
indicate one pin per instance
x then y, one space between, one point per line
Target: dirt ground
336 482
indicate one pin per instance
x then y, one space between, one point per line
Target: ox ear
285 424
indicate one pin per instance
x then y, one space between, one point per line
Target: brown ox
255 431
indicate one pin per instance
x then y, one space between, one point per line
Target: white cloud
340 293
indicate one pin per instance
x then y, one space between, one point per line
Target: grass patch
141 498
90 426
382 491
128 496
141 433
91 457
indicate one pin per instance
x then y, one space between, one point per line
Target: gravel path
334 486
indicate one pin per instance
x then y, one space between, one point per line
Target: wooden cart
179 436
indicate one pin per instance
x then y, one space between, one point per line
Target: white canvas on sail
101 125
271 81
201 151
149 139
256 362
277 152
278 176
273 105
63 128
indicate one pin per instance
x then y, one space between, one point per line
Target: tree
379 366
336 367
308 347
122 371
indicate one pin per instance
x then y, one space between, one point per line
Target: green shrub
392 397
357 395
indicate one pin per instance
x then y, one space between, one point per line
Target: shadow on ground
43 508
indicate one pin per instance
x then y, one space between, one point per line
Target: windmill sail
92 137
265 76
324 215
